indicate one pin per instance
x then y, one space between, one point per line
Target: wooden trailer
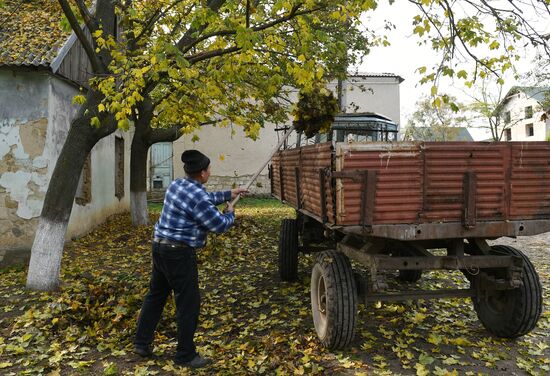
388 205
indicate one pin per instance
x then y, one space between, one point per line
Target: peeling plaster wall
23 166
35 113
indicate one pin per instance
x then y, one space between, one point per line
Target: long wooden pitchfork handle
247 185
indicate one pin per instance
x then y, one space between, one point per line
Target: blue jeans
173 269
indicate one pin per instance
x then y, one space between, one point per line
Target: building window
529 130
508 134
528 112
119 167
84 191
507 117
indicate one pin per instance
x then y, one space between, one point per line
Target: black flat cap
194 161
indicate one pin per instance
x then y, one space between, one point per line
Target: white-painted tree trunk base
138 208
46 254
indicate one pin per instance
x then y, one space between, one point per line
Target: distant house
236 158
41 69
523 112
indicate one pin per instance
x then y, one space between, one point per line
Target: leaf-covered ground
251 323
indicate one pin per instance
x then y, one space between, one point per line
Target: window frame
508 134
529 130
83 195
528 111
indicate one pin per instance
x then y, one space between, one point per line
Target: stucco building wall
378 94
234 158
35 113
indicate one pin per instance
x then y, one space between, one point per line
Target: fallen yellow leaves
251 323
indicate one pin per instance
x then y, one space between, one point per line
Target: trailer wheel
288 250
333 299
511 313
409 275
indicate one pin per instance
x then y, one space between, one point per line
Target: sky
404 56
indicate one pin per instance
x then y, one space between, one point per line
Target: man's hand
238 191
228 208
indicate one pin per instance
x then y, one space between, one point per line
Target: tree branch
150 23
247 14
187 38
89 20
88 47
205 55
293 13
164 134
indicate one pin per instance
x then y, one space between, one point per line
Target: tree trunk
47 248
144 137
138 181
138 163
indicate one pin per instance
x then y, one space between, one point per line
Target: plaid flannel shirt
189 213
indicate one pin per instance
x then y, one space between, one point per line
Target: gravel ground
536 247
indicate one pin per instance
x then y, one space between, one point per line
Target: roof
363 121
30 32
453 134
539 93
383 74
463 135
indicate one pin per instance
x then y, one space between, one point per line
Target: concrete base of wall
261 187
12 257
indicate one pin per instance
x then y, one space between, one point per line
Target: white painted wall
516 105
380 94
104 202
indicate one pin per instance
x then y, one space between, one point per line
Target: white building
236 158
522 111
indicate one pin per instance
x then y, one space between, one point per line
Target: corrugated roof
30 32
539 93
375 74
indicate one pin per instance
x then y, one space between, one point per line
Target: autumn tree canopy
227 62
435 123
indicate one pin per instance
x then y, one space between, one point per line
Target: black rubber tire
333 299
409 276
288 250
511 313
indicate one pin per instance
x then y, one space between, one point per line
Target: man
188 214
